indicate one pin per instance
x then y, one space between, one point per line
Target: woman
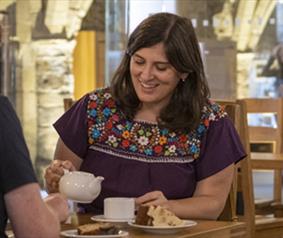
153 134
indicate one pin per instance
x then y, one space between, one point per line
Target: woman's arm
63 158
30 216
207 202
62 152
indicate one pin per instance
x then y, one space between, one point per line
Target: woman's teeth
148 85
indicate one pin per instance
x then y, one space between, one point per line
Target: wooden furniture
229 212
68 102
267 134
264 134
203 229
257 226
242 184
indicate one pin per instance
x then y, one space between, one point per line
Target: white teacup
80 186
120 208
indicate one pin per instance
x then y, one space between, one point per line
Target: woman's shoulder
101 105
100 95
212 111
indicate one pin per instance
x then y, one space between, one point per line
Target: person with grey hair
274 67
154 134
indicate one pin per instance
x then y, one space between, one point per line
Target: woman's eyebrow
137 55
156 62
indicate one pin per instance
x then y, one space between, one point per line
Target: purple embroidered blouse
137 157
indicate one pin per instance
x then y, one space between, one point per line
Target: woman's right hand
54 172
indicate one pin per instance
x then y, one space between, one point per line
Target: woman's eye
161 67
140 62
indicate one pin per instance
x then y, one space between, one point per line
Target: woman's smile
149 85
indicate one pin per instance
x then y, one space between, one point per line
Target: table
204 229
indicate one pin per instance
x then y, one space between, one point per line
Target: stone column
26 85
54 82
279 24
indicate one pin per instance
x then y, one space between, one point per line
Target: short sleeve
220 147
16 168
72 127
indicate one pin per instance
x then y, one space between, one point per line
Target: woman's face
153 77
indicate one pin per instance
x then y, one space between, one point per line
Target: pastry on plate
100 228
156 216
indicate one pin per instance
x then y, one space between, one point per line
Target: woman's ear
184 76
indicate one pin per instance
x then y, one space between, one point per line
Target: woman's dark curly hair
183 112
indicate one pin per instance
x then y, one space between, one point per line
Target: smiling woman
153 134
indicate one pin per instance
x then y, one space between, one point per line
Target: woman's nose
147 73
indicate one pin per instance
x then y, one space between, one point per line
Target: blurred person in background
274 67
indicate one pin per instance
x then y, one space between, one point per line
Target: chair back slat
246 171
267 134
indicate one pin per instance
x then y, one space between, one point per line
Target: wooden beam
77 11
34 7
5 3
260 19
23 21
56 15
243 24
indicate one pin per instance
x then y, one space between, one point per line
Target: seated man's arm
30 216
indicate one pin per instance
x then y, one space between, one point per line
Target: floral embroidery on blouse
109 131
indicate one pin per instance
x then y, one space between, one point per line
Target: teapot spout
100 178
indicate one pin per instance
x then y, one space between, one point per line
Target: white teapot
80 186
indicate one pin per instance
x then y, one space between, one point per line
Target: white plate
164 229
74 233
101 218
77 201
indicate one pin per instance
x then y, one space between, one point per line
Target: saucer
101 218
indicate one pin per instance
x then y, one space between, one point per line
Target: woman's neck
148 113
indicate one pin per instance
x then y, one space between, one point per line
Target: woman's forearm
202 207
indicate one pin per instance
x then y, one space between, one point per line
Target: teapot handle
66 171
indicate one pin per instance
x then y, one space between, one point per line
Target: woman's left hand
152 198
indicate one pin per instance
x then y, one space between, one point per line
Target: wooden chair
256 226
263 134
68 102
242 184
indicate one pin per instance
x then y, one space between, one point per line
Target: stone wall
54 82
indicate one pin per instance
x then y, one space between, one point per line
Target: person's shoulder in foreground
20 200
